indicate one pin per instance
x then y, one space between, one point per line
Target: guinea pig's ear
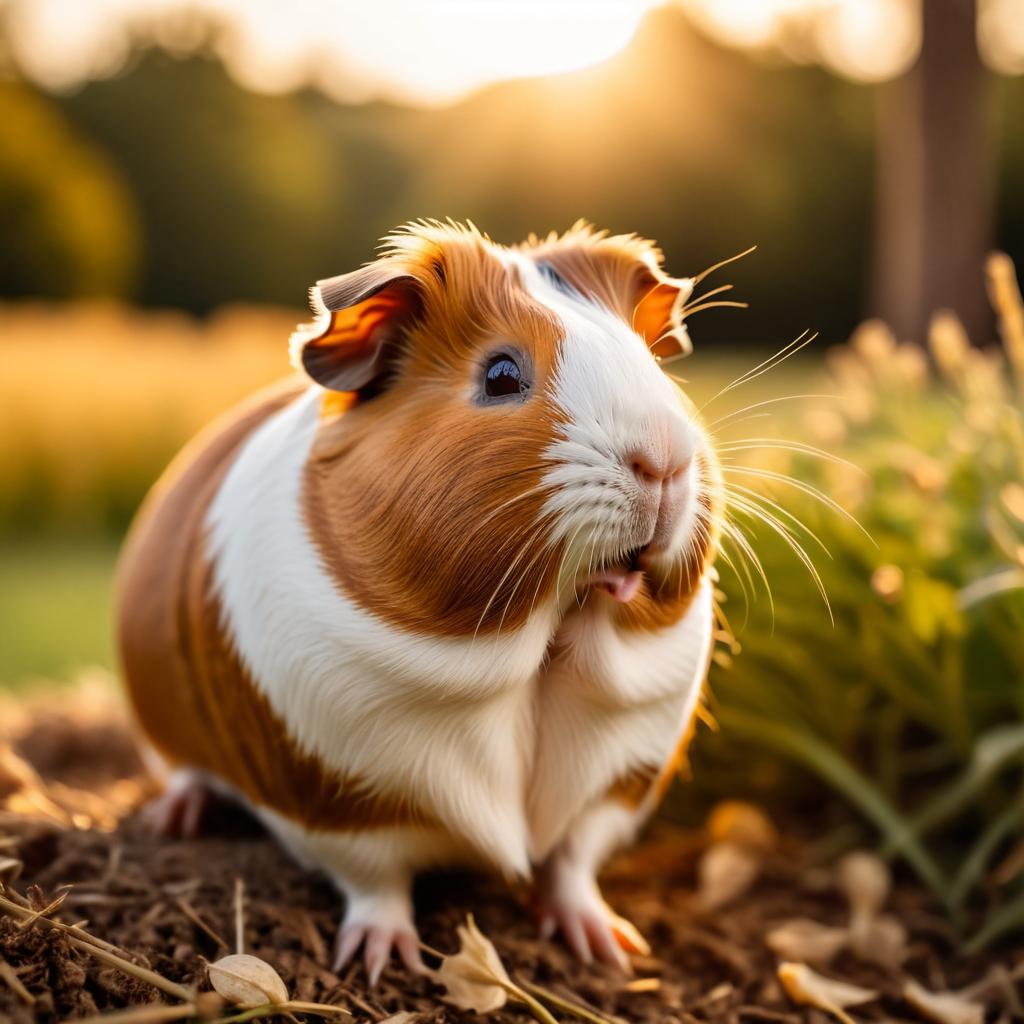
361 319
658 314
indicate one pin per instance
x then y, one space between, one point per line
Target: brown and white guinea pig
446 599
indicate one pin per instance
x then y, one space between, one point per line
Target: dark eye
503 377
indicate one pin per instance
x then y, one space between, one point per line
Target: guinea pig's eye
502 377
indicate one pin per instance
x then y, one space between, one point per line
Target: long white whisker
758 405
800 485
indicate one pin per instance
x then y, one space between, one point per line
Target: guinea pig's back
166 629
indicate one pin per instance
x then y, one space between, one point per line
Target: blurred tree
933 216
233 187
933 220
67 223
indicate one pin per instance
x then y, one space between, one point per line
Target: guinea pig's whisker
739 493
522 576
809 489
779 528
539 489
707 295
733 530
707 272
747 444
774 523
741 578
523 548
690 310
759 405
800 342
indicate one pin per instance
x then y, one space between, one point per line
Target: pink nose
653 466
660 468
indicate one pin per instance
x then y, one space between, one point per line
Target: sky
430 52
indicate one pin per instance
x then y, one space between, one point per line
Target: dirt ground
70 821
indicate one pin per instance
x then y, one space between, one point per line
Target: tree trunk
933 205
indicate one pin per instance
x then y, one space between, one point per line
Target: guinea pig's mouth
621 579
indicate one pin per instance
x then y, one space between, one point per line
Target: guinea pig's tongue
622 584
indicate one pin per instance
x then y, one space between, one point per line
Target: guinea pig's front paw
379 922
568 900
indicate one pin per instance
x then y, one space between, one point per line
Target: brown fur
455 556
190 692
624 274
407 538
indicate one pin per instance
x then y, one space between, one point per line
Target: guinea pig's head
498 438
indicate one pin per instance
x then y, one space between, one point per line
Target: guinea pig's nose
654 465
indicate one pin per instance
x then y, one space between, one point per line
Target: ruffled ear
658 315
624 274
361 318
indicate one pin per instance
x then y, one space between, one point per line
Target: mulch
171 904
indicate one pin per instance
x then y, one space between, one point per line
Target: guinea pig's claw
589 934
377 945
178 811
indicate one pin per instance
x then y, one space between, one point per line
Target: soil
71 820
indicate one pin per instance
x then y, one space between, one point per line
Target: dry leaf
399 1018
864 880
247 981
943 1007
10 868
474 977
725 872
806 940
881 940
807 988
735 821
642 985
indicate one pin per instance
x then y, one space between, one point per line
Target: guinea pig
446 598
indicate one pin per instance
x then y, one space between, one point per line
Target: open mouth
622 579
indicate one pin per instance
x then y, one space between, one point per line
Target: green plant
909 703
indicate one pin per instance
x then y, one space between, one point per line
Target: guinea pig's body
447 604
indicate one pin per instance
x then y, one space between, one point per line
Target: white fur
616 400
351 688
611 702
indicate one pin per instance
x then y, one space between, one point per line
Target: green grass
55 601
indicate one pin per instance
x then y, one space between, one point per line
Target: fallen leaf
864 880
807 988
806 941
725 872
642 985
247 981
10 868
736 821
881 940
475 977
943 1007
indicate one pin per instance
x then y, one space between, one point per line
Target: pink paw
379 925
178 811
571 904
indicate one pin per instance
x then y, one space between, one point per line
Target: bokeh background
174 175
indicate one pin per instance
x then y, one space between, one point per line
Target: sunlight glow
405 50
865 40
1001 35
